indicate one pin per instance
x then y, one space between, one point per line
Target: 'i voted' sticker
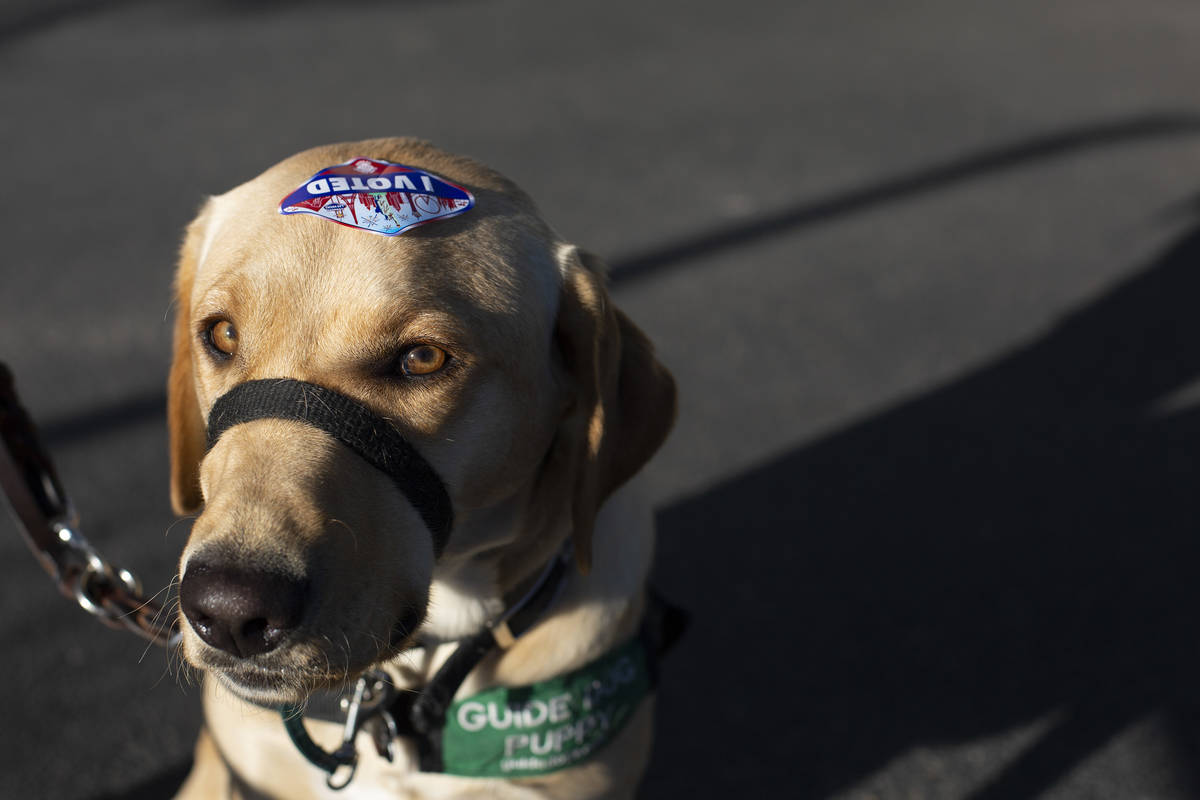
377 196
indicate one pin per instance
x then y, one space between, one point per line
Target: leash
388 713
49 524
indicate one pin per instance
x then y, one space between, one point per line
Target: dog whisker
166 611
185 518
353 535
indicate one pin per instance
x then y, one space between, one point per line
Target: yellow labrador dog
395 443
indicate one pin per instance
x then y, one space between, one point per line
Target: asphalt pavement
926 274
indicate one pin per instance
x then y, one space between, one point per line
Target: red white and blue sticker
377 196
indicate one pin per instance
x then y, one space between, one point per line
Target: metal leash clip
50 526
365 706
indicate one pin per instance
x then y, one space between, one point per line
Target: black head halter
350 422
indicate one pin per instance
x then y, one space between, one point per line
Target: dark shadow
106 419
926 179
36 18
673 255
1020 542
161 786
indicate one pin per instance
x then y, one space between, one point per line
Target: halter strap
370 435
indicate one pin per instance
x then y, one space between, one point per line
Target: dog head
489 344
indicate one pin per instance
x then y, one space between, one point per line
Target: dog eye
424 359
223 337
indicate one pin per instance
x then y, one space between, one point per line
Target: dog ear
185 424
623 399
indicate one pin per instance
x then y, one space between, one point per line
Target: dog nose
243 612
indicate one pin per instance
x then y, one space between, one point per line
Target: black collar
376 704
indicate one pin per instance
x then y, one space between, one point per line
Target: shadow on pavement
1024 153
26 17
22 18
1019 542
1015 543
673 255
161 786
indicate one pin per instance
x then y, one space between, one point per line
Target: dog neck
590 613
471 587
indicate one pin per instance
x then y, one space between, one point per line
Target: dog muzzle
371 436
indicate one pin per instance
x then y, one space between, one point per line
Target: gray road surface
926 273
